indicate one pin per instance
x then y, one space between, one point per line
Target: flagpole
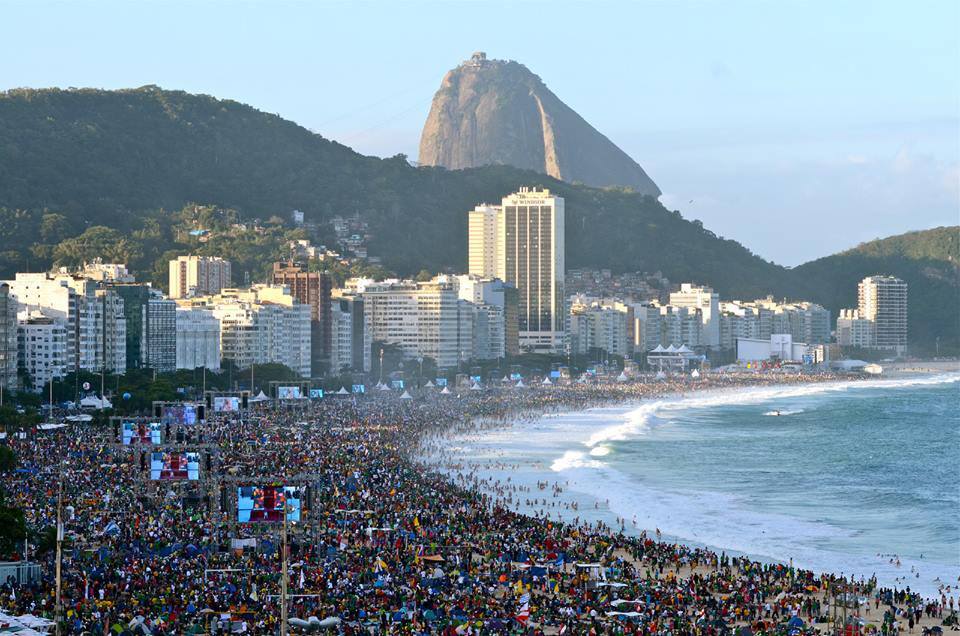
59 604
283 576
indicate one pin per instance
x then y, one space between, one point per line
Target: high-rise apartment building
708 302
595 326
93 317
198 338
522 243
350 338
111 332
498 297
313 289
425 319
883 300
198 276
42 348
260 325
484 240
159 333
8 338
853 330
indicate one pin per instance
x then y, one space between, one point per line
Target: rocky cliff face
495 112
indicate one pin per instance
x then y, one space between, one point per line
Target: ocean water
850 477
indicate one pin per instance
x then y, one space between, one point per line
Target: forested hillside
85 172
928 260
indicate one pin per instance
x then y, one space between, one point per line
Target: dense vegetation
929 261
89 172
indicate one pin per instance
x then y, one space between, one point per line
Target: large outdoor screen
257 504
288 392
179 414
175 466
226 404
140 433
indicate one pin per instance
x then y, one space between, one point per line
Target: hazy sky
796 128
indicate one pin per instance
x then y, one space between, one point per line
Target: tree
8 459
97 242
54 228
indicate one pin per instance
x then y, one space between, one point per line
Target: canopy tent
695 373
429 384
83 417
406 396
475 387
673 358
260 397
661 375
445 391
546 380
520 384
343 391
505 380
622 377
93 402
383 387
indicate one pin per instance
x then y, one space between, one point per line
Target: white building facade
42 348
198 276
522 243
198 338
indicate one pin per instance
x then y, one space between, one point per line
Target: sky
796 128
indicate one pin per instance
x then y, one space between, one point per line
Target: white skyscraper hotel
522 242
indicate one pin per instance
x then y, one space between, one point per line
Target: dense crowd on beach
386 544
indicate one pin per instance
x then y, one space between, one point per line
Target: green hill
929 261
107 157
131 160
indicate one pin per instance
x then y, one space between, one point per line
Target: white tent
546 380
93 402
446 391
622 377
661 375
260 397
684 349
383 387
659 349
50 426
429 384
83 417
670 349
505 379
694 374
343 391
406 396
475 387
520 384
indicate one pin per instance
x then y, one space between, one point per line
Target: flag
523 611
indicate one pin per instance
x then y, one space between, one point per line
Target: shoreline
492 478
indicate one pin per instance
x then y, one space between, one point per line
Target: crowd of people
384 544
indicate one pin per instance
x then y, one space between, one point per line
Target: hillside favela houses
511 301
